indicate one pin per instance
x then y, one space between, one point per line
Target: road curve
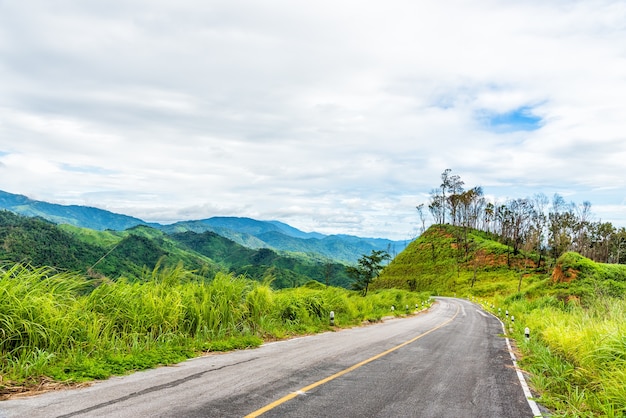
448 362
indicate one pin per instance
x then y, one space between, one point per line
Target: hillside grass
575 311
64 327
446 260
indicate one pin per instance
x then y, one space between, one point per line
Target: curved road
448 362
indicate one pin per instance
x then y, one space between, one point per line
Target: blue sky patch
520 119
86 169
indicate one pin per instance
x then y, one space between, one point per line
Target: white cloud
334 116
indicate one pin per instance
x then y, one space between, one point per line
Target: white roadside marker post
332 318
527 333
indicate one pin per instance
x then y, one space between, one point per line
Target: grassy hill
579 277
573 307
446 260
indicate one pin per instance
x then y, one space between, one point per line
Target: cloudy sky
334 116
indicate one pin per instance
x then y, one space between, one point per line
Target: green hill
135 252
39 242
278 236
288 270
575 276
450 260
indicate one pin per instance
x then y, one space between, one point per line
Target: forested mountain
288 271
242 225
247 232
84 216
135 252
40 242
280 236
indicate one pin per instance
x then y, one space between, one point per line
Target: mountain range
250 233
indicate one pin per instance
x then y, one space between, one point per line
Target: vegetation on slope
247 232
285 270
448 259
575 310
131 252
39 242
64 327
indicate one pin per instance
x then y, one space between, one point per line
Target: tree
367 268
420 211
437 206
561 220
445 185
455 197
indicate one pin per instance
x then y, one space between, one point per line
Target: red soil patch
500 260
560 276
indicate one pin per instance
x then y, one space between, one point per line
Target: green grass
440 262
576 355
69 328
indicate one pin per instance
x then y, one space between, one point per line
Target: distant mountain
83 216
234 233
247 226
250 233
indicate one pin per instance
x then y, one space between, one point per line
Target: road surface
451 361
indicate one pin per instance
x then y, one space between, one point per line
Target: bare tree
437 207
420 212
445 185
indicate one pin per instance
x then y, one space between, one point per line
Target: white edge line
529 396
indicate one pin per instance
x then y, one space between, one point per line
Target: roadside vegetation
556 272
576 353
62 328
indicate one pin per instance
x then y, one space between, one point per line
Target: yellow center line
305 389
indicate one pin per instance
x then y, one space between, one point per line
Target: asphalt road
448 362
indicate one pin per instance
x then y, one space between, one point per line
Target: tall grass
576 355
71 328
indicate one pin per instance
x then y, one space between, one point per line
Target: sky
332 116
